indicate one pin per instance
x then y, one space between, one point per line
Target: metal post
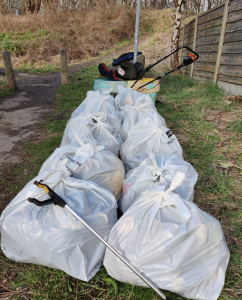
136 39
136 271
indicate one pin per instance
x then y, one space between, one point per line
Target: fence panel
230 68
217 37
208 37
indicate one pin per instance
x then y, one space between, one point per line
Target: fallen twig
239 243
20 291
6 288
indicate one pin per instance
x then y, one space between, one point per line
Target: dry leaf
220 144
226 164
239 243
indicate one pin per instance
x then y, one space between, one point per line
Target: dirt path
22 112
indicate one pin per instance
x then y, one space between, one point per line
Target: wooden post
194 44
221 41
182 43
64 66
9 70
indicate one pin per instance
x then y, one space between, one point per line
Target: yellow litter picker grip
43 186
55 199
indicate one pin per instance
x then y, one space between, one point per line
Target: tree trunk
33 6
190 5
176 34
209 4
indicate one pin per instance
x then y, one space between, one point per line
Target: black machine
135 71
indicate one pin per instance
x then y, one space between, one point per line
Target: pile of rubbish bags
167 237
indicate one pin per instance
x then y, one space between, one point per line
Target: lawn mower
136 71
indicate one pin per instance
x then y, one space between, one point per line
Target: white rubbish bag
128 96
96 125
100 102
91 161
146 137
51 235
172 242
141 109
158 169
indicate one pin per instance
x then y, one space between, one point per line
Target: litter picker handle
193 56
196 56
57 200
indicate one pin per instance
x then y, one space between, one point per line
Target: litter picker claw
57 200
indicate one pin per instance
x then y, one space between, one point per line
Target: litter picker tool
187 60
57 200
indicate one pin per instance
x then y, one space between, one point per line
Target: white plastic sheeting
158 169
172 242
169 239
91 161
87 125
141 109
51 235
100 102
146 137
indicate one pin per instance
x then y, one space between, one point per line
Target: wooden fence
217 37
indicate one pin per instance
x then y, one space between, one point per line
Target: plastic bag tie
86 151
166 197
99 116
158 172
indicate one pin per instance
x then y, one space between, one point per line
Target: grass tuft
4 90
38 69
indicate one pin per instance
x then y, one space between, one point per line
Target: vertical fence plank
182 43
194 44
221 41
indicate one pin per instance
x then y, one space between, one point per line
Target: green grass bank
207 124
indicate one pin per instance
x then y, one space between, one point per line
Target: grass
236 126
35 40
37 69
4 90
201 117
